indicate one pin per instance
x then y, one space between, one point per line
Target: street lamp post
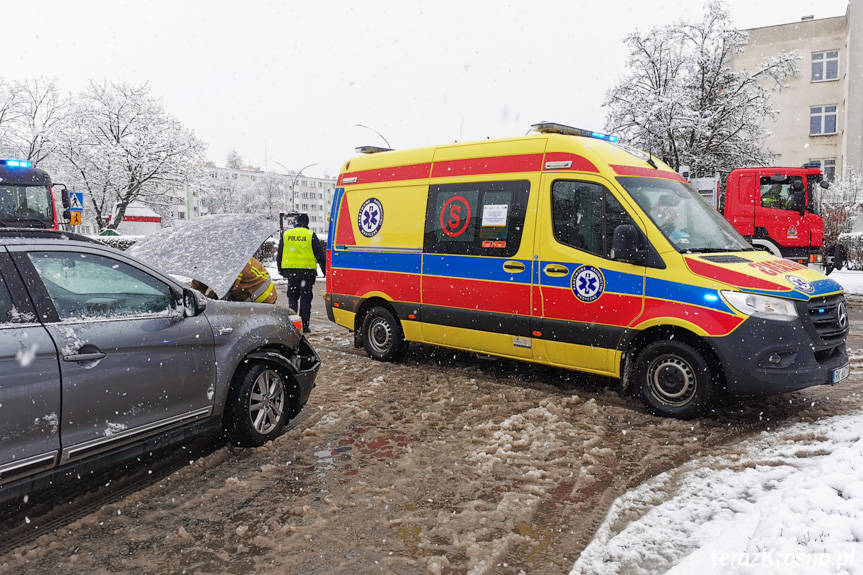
294 182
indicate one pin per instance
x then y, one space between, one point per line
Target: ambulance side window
584 216
483 219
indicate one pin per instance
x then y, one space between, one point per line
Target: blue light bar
17 163
552 128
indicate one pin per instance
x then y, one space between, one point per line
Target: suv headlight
761 306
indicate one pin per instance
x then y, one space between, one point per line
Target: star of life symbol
800 284
588 284
371 217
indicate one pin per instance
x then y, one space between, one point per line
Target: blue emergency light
17 163
553 128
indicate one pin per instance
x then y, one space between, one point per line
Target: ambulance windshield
685 218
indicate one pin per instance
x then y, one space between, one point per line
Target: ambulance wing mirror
626 245
824 184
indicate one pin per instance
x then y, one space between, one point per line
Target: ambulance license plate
841 373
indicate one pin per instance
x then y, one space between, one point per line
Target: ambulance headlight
761 306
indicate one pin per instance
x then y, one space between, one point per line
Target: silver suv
103 357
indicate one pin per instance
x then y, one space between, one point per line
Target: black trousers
300 284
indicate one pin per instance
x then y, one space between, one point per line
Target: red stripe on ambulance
345 229
393 174
474 294
715 323
721 274
560 303
646 173
493 165
579 163
397 286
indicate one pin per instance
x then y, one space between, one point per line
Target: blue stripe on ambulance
474 268
684 293
377 261
615 282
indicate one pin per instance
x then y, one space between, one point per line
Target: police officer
299 250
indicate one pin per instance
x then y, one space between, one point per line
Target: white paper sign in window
494 215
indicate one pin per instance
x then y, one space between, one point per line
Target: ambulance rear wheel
382 335
674 380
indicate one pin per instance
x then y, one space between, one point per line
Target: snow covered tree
10 110
840 205
43 110
120 145
234 160
682 102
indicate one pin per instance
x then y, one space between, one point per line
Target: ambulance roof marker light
372 150
554 128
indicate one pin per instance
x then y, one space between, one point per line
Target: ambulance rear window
483 219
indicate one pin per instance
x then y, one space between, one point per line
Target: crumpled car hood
211 249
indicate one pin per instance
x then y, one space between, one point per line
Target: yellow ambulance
568 248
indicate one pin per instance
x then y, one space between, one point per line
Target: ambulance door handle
513 267
555 270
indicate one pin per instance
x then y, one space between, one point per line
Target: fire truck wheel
674 380
382 335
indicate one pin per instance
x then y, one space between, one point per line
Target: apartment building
821 113
253 189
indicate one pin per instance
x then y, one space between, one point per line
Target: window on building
181 215
822 120
828 167
825 66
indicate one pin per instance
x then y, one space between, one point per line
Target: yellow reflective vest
297 250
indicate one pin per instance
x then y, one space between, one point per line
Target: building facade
260 191
821 113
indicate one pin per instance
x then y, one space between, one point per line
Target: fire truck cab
775 210
26 196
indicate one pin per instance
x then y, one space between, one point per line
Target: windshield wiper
717 250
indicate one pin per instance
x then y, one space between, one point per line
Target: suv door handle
84 356
555 270
513 267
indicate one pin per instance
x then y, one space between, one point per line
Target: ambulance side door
586 299
476 269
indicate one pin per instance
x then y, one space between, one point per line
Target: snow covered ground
788 502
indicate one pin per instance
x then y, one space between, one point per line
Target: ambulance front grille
829 317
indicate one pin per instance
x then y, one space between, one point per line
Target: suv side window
481 219
85 286
584 216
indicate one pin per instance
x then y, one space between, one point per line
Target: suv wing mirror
194 303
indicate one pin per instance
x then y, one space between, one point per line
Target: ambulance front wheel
382 335
674 380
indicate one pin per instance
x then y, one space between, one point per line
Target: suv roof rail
32 233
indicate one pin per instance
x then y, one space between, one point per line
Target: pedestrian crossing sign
75 218
76 201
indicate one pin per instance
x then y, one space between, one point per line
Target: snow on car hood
211 249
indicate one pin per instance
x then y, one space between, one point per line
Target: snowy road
444 463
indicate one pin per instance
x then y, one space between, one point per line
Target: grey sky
287 82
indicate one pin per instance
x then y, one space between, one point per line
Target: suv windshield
684 217
27 206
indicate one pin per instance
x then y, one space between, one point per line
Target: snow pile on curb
791 502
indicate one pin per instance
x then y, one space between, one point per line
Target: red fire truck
27 197
776 210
